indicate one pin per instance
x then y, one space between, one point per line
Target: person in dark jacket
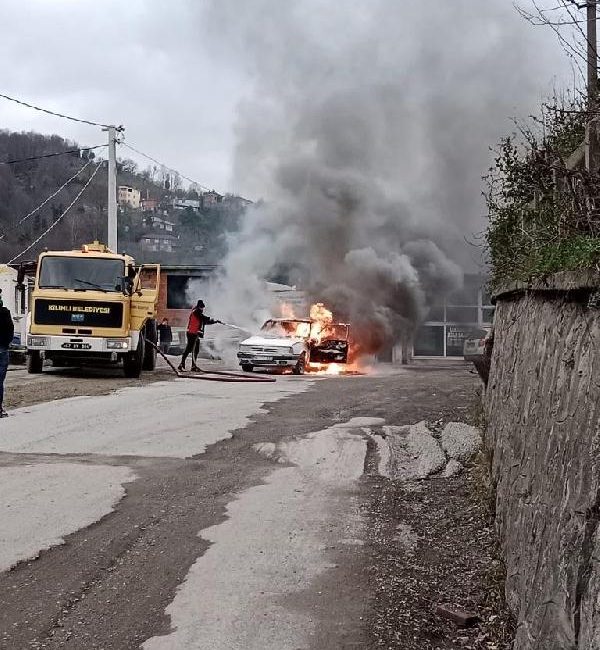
165 335
195 331
7 331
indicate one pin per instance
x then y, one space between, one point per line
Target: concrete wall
542 405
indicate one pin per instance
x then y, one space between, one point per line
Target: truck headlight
117 344
37 341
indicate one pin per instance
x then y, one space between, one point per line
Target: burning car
297 343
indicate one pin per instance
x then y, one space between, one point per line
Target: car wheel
35 362
300 367
132 363
247 367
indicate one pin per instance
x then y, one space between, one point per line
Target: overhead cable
54 223
49 112
39 207
171 169
51 155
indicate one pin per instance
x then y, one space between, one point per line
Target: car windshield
82 273
287 328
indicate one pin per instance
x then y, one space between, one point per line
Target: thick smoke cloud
367 136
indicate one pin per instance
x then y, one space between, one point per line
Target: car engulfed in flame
299 344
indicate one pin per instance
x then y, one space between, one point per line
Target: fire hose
215 375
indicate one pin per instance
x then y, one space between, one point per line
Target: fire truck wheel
34 362
247 367
299 368
132 363
151 334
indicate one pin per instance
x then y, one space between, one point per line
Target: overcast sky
162 69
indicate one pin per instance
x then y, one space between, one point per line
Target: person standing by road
7 331
165 335
195 331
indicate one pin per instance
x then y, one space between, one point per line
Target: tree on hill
26 185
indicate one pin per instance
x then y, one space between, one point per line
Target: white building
159 241
16 300
129 197
159 223
182 204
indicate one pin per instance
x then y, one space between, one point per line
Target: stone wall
542 406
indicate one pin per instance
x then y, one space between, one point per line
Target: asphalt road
186 514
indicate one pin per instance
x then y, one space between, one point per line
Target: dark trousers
189 348
3 369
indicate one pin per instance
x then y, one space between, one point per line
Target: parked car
474 345
478 350
294 343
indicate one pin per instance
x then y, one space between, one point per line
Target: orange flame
322 327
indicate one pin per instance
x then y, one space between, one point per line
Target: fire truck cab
92 306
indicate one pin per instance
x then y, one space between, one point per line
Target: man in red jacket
195 331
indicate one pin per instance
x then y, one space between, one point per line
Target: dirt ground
22 389
108 586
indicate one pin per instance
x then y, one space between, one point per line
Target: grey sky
174 73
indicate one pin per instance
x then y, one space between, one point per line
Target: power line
171 169
91 178
39 207
49 112
51 155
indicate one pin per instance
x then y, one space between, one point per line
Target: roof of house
155 234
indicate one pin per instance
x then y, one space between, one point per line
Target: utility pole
112 188
592 141
592 52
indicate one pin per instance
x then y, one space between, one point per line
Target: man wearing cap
195 331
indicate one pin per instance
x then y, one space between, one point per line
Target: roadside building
454 319
15 296
180 287
129 197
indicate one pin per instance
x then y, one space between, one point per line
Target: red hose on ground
217 375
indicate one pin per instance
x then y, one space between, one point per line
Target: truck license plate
76 346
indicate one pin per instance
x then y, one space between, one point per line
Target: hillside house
155 241
149 205
211 199
159 223
129 197
183 204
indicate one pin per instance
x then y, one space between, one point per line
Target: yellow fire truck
93 306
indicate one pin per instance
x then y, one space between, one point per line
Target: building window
463 314
455 339
488 315
429 341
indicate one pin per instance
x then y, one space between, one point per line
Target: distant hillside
196 235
